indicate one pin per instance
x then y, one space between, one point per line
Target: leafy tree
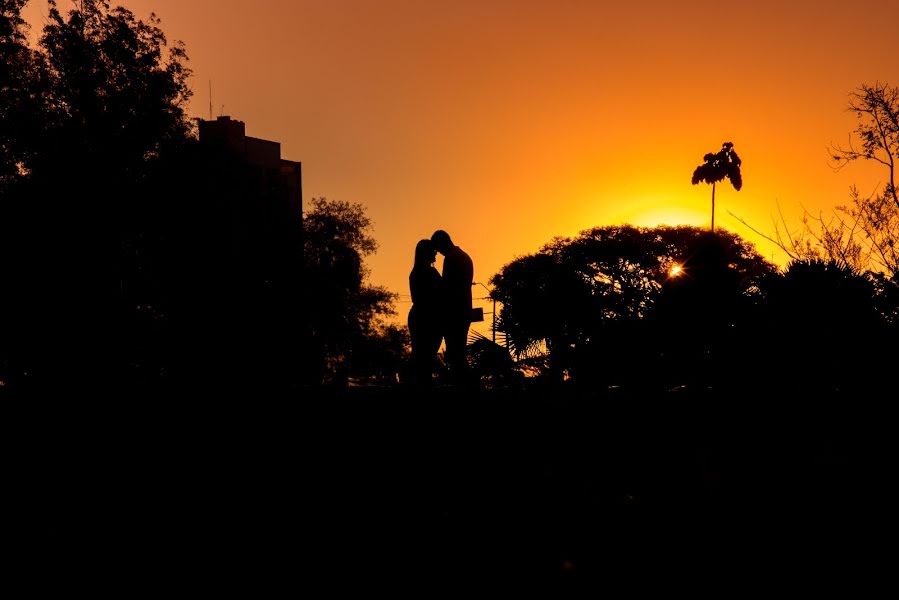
863 234
491 363
886 296
577 298
825 317
717 166
877 109
22 96
867 235
702 316
383 354
545 303
342 309
87 116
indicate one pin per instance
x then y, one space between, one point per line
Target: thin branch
784 221
778 243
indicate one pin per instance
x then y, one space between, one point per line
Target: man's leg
456 342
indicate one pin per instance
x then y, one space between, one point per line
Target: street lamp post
494 306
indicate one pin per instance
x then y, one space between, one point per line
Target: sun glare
676 270
654 213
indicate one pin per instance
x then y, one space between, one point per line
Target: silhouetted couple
441 307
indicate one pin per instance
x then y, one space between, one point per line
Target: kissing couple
441 307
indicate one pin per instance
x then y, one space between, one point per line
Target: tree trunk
713 206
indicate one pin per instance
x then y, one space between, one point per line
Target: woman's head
425 254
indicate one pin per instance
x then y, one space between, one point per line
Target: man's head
442 241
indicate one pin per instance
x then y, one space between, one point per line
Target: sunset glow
417 294
508 123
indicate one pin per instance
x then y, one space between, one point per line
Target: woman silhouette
424 317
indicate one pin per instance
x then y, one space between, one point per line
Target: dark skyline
512 122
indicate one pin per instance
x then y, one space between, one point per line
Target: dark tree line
123 268
596 295
134 256
88 117
681 306
347 336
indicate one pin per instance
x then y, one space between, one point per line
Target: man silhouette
458 275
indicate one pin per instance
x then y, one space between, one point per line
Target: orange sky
509 122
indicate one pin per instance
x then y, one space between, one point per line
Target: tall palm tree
725 163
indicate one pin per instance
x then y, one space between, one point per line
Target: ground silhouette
550 489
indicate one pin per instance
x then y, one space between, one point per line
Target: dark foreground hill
387 489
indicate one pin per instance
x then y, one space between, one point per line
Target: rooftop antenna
210 99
